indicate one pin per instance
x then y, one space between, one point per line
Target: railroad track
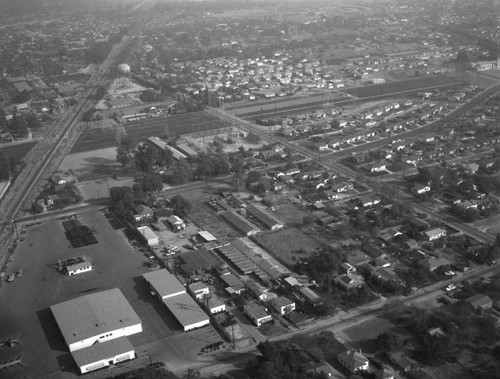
30 177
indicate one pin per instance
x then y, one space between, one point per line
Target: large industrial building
173 294
95 328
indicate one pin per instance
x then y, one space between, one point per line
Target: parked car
450 287
10 278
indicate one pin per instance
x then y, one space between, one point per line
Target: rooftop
93 314
185 309
164 283
103 350
256 311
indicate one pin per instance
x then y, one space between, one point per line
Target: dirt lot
284 244
25 302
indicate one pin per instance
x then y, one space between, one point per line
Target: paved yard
25 302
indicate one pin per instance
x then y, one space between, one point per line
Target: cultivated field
139 130
428 81
285 244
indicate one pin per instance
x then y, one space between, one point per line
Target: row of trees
7 167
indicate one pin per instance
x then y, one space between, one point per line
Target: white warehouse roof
164 283
187 311
93 314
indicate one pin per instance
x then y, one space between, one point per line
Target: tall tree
5 169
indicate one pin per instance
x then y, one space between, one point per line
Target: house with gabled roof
434 234
353 361
480 302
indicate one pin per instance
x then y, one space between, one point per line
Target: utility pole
15 228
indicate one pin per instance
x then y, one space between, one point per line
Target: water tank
124 68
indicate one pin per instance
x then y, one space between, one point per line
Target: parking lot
25 302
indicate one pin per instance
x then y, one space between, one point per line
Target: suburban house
348 282
433 263
368 200
342 187
420 188
347 268
385 274
402 361
434 234
376 167
142 212
283 305
257 313
353 361
480 302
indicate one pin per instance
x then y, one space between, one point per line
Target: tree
180 206
5 169
143 159
182 173
388 341
36 208
122 156
152 183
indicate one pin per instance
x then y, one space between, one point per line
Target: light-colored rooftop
165 283
93 314
185 309
147 233
102 351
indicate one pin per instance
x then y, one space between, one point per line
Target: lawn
285 244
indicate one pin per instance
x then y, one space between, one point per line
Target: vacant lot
429 81
285 244
290 214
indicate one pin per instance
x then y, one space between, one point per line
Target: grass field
16 151
406 85
176 125
290 214
285 244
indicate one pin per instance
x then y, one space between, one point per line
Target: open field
25 302
285 244
290 214
406 85
16 151
139 130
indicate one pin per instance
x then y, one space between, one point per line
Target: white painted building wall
124 332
